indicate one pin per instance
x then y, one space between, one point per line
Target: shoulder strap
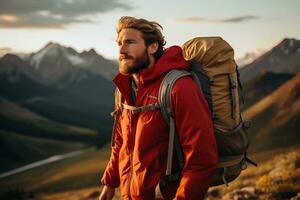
118 103
165 91
164 96
116 113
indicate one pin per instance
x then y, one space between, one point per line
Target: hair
151 32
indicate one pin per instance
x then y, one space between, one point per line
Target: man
140 140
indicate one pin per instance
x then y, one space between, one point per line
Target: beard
138 63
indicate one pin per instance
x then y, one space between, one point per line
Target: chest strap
135 109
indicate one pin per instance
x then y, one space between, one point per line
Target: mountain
96 63
262 85
13 67
250 57
4 50
26 136
19 80
276 117
283 58
56 62
42 115
78 97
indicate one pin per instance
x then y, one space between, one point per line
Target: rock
246 193
296 197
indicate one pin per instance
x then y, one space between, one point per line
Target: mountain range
62 88
271 94
283 58
58 79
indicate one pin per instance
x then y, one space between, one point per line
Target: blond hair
151 31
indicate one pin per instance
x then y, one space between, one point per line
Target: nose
122 49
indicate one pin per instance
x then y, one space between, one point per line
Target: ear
152 48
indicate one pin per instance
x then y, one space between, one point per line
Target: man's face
133 53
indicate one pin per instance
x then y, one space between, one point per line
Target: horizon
84 25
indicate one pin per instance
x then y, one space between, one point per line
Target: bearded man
140 139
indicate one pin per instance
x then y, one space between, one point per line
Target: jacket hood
171 59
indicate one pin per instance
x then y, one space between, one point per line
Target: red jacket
139 153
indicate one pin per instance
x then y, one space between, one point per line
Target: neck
136 76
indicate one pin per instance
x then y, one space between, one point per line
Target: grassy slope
79 177
261 86
17 150
20 116
275 118
73 173
26 137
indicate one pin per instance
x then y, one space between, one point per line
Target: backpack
215 71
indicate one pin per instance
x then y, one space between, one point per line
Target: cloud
226 20
53 13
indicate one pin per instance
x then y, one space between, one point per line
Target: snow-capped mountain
54 61
57 89
250 57
12 67
55 50
283 58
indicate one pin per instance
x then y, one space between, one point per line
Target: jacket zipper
132 121
130 156
130 174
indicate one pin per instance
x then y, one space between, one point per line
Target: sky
28 25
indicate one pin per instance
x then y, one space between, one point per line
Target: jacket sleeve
111 173
195 129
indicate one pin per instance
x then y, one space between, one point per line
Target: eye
130 41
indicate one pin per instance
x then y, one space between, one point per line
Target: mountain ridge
282 58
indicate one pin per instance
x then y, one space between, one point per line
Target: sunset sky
28 25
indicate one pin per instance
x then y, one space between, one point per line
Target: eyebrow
126 40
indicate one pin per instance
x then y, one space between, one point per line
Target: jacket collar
171 59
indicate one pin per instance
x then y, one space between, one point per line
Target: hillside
52 104
262 85
26 137
78 178
74 173
85 99
276 118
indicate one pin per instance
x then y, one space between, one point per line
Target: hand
107 193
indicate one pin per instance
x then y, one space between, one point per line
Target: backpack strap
116 113
138 109
166 87
118 103
164 96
